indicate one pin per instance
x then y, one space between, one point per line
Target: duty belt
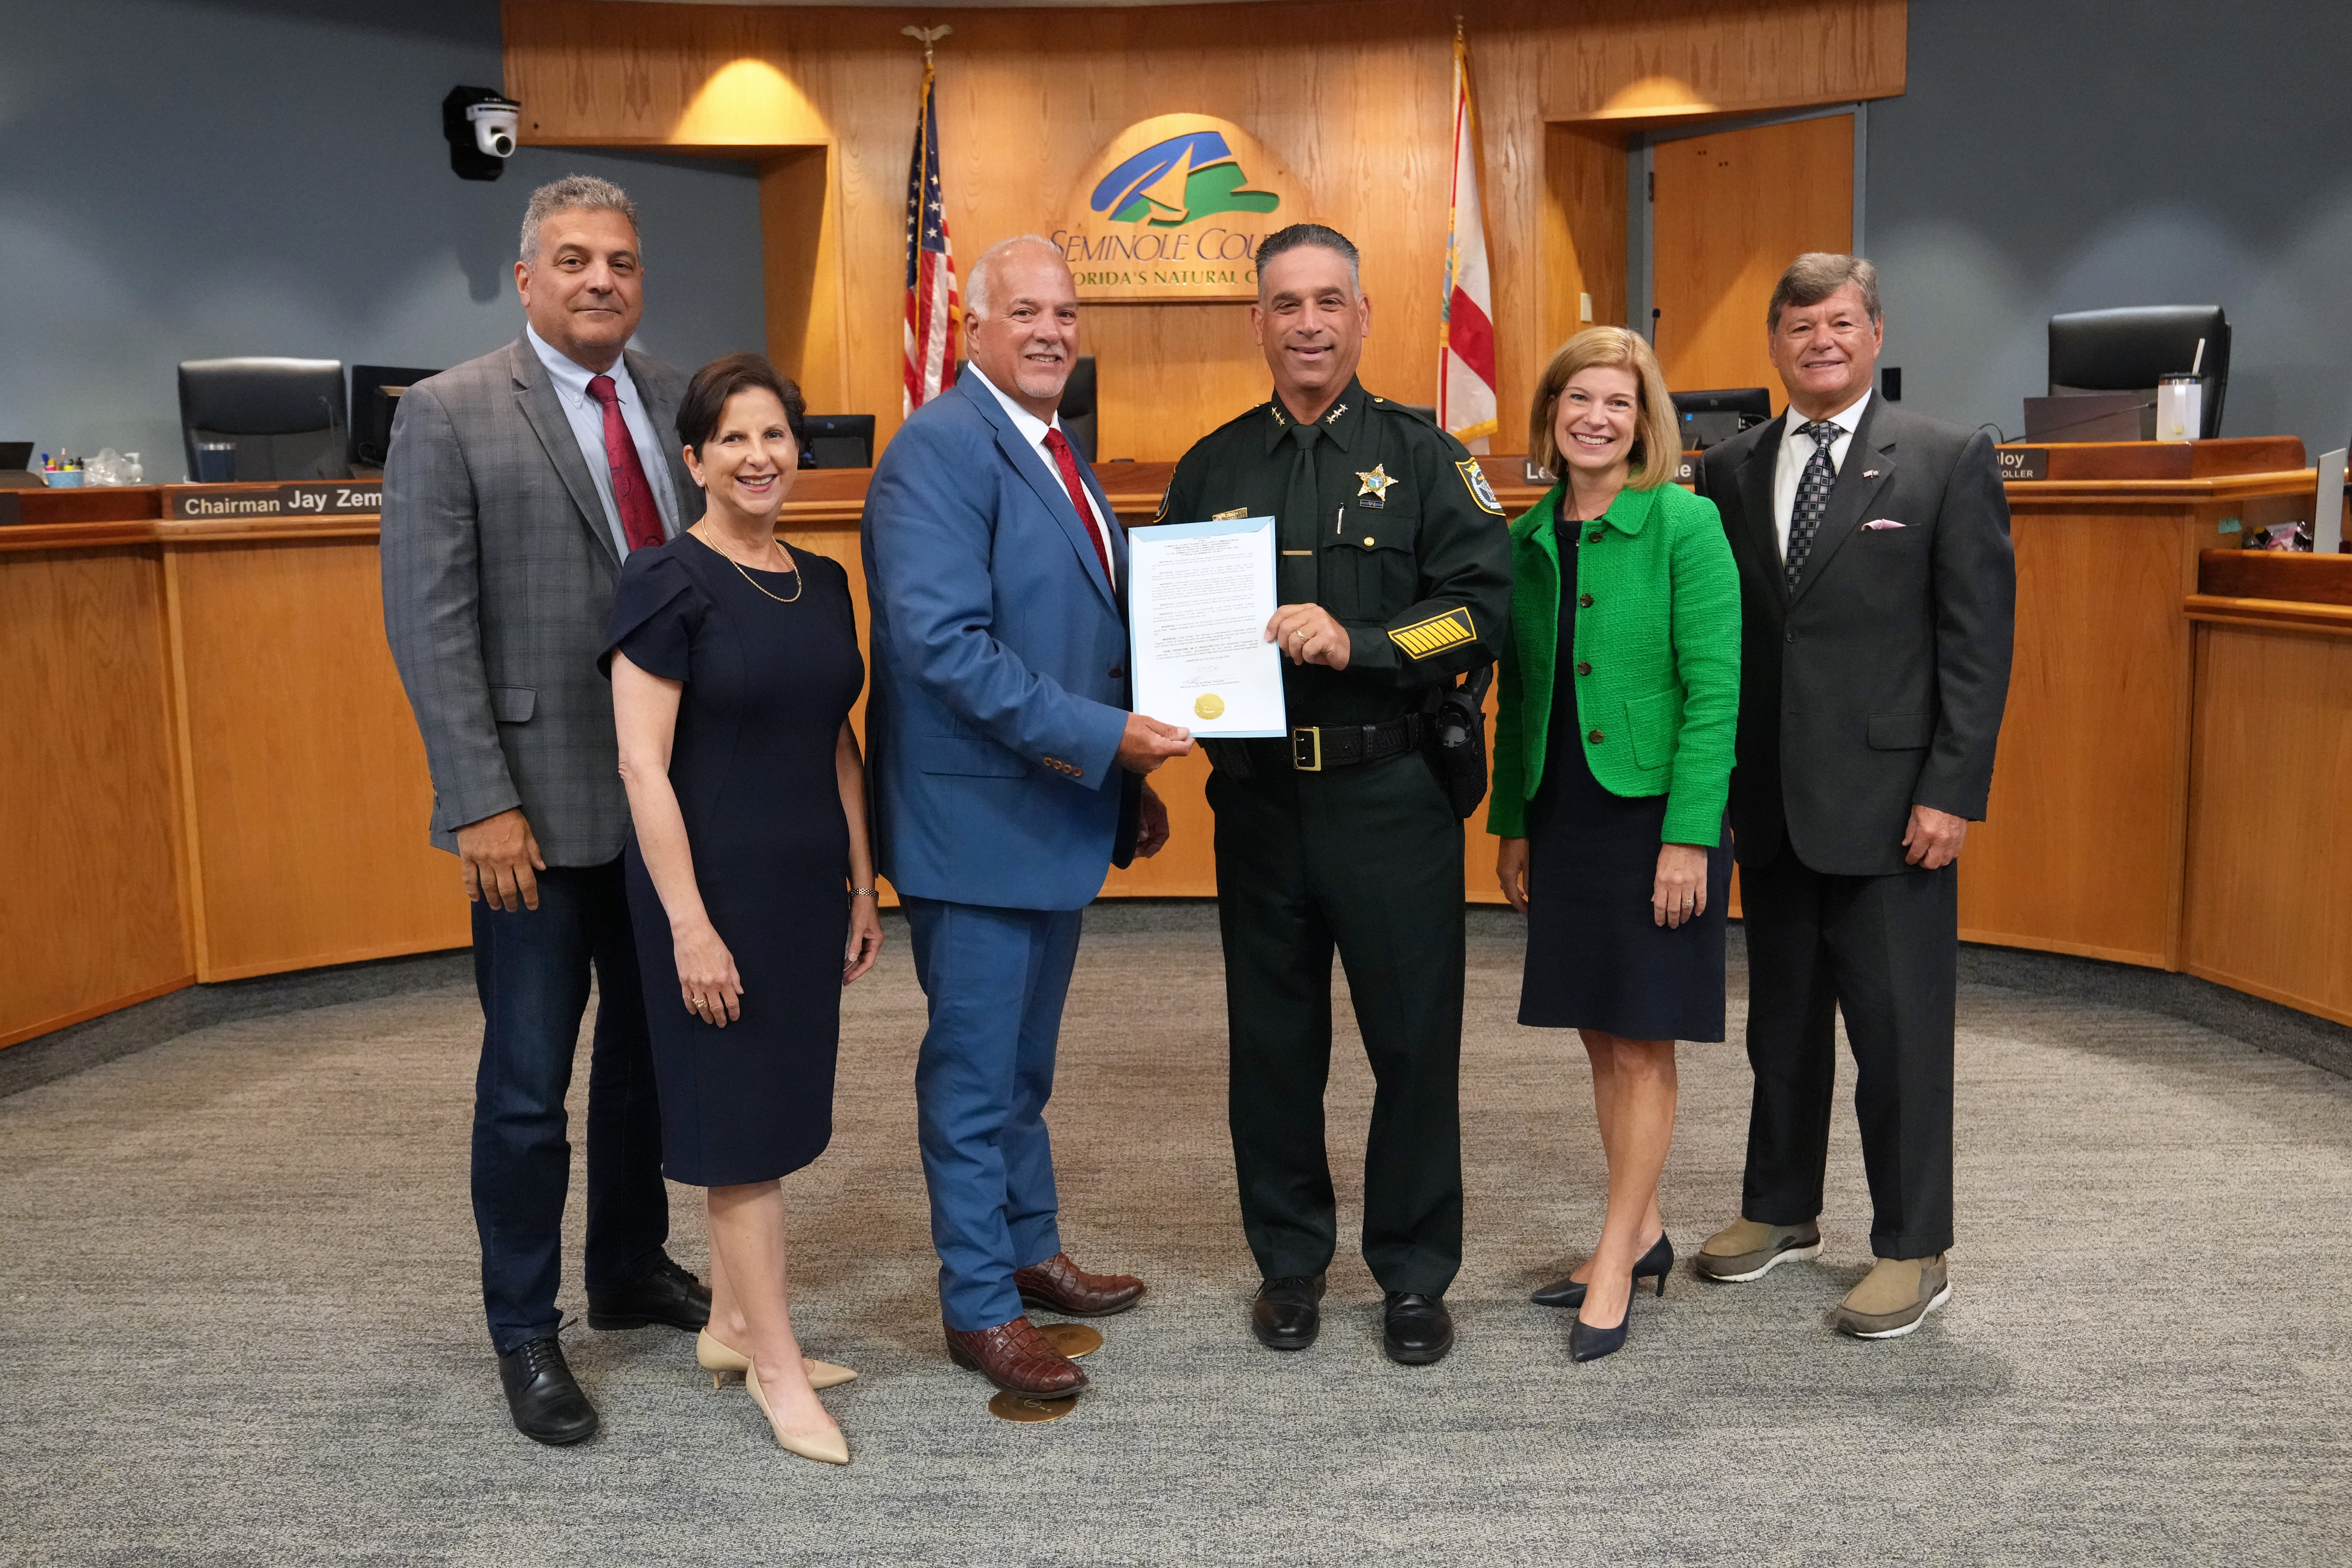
1316 748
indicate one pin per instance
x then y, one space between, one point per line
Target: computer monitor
2133 348
837 441
376 397
1711 418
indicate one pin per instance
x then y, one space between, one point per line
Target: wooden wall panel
1660 59
1732 207
1354 98
799 242
307 784
1584 219
89 897
2082 847
2268 859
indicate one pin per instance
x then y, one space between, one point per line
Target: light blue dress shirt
587 416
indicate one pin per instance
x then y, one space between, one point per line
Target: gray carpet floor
241 1324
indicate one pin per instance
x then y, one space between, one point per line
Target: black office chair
1077 406
2132 349
837 441
285 417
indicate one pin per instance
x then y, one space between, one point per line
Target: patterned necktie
1302 509
633 498
1813 487
1068 461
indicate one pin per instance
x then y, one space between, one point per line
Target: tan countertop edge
2134 492
2278 614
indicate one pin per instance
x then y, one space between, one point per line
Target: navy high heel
1586 1342
1656 1263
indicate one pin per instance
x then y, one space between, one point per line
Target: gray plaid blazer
497 572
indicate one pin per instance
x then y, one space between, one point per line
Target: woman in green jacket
1610 779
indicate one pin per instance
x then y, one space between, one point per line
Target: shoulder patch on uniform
1161 515
1436 634
1481 491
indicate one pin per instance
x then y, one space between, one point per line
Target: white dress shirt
1797 450
1033 430
587 416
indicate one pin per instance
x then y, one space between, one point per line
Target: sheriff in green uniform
1394 579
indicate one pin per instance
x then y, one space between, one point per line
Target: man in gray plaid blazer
514 486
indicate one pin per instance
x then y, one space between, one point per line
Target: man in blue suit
1008 778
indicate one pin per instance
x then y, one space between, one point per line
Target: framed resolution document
1199 596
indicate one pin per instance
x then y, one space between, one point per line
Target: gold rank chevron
1436 634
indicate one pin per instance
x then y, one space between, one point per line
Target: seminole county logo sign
1173 209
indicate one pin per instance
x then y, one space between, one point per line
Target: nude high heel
826 1447
718 1357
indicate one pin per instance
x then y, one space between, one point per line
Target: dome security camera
494 127
483 127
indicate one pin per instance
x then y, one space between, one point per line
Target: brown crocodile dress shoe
1018 1359
1059 1285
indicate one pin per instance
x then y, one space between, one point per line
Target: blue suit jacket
999 667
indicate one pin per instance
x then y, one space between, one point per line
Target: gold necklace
799 582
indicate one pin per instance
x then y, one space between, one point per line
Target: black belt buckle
1307 748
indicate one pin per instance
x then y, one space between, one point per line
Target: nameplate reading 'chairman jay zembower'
228 503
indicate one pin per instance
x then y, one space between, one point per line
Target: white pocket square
1882 523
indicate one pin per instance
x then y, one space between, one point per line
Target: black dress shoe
1415 1329
1287 1313
545 1399
1654 1264
663 1294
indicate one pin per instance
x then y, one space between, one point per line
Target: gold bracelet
861 892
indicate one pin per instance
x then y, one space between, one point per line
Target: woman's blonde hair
1658 432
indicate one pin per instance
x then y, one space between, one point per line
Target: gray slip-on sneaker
1748 1249
1894 1297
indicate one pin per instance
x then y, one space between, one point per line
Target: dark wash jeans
532 968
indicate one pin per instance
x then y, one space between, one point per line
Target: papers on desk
1199 597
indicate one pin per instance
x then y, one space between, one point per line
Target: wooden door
1730 211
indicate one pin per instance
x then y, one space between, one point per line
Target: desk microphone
332 458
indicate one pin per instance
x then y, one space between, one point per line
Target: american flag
932 302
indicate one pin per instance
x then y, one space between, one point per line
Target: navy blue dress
1596 957
766 687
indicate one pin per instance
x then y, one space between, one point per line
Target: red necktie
633 498
1070 465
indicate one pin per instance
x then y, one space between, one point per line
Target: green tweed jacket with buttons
1656 658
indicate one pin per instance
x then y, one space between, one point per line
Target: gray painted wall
180 180
2069 154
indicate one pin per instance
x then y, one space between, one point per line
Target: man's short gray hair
573 193
976 295
1814 277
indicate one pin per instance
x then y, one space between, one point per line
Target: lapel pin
1870 473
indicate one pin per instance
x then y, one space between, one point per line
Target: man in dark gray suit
1878 592
514 486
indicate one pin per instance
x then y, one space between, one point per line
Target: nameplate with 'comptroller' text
2023 462
230 503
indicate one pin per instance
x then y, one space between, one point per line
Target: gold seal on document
1208 705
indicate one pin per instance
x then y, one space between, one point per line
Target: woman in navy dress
734 664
